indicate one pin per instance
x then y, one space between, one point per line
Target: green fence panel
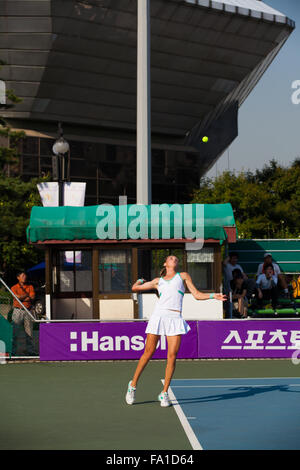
285 252
6 334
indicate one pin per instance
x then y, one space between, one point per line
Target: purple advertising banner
92 341
248 338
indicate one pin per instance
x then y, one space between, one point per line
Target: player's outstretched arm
196 293
141 285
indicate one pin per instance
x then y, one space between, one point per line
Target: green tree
17 197
16 200
265 202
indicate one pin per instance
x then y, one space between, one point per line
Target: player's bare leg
150 347
173 348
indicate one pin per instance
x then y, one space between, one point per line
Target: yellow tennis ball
205 139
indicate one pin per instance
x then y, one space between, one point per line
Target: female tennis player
167 320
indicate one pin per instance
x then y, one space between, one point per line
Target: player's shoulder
184 275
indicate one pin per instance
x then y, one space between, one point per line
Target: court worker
20 318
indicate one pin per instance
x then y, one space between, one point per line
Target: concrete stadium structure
74 61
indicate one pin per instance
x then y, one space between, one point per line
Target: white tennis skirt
167 322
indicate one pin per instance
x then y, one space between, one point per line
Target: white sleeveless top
171 293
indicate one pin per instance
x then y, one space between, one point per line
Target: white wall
116 309
192 309
123 309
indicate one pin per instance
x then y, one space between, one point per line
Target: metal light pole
143 125
60 148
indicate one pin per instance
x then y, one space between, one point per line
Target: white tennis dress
166 318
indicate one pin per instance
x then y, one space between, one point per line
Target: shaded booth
94 254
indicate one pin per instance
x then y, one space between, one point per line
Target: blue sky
268 120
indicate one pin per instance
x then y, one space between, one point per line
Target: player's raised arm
141 285
196 293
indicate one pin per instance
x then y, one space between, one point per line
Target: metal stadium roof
253 8
75 61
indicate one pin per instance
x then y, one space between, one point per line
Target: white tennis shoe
164 400
130 395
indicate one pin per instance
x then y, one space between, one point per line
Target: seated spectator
230 263
296 287
239 293
236 273
250 283
266 285
281 277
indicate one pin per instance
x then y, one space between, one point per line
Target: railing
19 331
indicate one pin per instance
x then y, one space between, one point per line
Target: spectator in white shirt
281 278
266 285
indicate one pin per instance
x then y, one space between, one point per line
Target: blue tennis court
240 413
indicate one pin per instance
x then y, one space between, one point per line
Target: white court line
231 385
240 378
184 422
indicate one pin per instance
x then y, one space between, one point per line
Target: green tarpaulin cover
156 221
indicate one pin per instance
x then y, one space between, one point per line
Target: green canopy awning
156 221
